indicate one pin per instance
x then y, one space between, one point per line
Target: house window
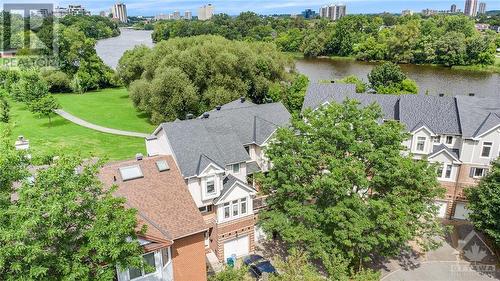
447 174
236 168
243 206
211 186
486 149
437 139
165 256
449 139
205 209
421 143
227 211
235 208
477 172
440 171
149 261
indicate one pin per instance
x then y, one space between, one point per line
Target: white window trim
482 149
231 209
169 250
417 142
438 138
239 168
142 269
485 170
452 140
205 186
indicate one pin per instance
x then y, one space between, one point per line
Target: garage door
239 247
461 211
442 208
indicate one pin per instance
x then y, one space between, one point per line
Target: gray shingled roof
252 167
227 182
319 94
251 122
466 116
439 114
439 147
199 142
221 138
478 115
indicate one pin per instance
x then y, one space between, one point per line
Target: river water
111 50
431 79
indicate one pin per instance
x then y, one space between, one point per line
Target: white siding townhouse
217 154
460 133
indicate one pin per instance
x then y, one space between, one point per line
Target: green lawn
110 108
65 137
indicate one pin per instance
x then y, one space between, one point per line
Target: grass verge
111 108
64 137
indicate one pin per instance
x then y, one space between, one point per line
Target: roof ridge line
164 232
482 124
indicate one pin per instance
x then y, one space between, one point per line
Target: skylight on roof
162 165
131 172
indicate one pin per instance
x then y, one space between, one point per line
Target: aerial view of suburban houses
250 140
461 134
225 148
174 241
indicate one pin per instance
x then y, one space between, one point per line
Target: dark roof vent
333 81
139 156
441 95
242 99
189 116
471 94
218 107
206 115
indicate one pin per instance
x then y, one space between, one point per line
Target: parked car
258 266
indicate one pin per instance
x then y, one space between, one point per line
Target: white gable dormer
421 141
235 203
211 181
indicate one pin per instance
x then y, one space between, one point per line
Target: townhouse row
196 192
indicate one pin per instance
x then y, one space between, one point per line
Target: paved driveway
463 256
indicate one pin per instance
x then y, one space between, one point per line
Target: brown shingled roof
162 198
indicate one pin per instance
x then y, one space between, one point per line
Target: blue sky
234 7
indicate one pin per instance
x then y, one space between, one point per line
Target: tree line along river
430 79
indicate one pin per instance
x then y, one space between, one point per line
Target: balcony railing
259 203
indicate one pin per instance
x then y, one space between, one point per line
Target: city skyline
234 7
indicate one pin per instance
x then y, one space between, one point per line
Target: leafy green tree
388 78
45 106
385 75
4 109
291 94
57 81
192 75
13 164
131 64
341 190
352 79
484 202
296 267
65 226
30 87
451 49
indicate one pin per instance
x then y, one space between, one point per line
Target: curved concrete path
86 124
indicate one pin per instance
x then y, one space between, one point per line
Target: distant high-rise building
333 11
407 13
429 12
309 14
119 11
470 8
453 8
482 8
77 10
188 15
206 12
176 15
